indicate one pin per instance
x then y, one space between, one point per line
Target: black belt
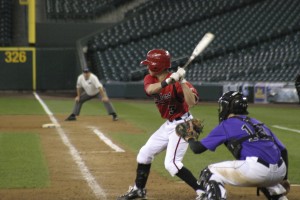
179 118
261 161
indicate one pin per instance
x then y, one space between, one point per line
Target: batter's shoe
72 117
134 194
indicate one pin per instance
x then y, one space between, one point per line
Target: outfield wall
135 90
17 68
28 68
62 34
57 68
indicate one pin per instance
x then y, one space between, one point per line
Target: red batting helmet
157 60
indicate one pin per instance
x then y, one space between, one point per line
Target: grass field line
106 140
287 129
90 179
96 152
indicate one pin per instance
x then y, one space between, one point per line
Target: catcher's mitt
190 129
287 186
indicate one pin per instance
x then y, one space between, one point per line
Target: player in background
89 87
261 159
297 85
173 97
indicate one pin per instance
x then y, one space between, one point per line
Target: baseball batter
173 96
262 159
88 87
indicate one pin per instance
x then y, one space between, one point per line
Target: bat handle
188 62
185 65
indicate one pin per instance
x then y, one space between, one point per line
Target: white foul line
287 129
106 140
90 179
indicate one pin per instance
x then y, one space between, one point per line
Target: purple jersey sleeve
216 137
234 128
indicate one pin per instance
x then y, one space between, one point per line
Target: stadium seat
79 9
251 37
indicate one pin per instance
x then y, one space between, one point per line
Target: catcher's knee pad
204 177
213 191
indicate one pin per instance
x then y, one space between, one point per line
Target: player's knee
173 167
143 157
80 101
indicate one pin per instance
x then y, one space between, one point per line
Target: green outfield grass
20 106
22 161
145 116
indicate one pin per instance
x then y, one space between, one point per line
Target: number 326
15 57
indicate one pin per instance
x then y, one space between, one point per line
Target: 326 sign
19 66
15 56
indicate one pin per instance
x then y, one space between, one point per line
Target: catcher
261 159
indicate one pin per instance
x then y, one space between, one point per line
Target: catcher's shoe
133 194
283 197
201 197
269 196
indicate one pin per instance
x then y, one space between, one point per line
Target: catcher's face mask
223 110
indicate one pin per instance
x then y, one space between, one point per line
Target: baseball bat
203 43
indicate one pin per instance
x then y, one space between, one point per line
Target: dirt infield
113 171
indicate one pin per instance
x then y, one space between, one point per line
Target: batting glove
173 78
181 72
183 80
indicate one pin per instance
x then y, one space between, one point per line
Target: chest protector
235 145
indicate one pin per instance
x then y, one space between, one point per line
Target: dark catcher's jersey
234 128
170 100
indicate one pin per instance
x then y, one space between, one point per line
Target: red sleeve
148 80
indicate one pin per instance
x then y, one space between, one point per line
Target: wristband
165 83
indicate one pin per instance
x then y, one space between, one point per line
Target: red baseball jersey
170 100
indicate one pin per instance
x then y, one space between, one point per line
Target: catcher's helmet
157 60
232 102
